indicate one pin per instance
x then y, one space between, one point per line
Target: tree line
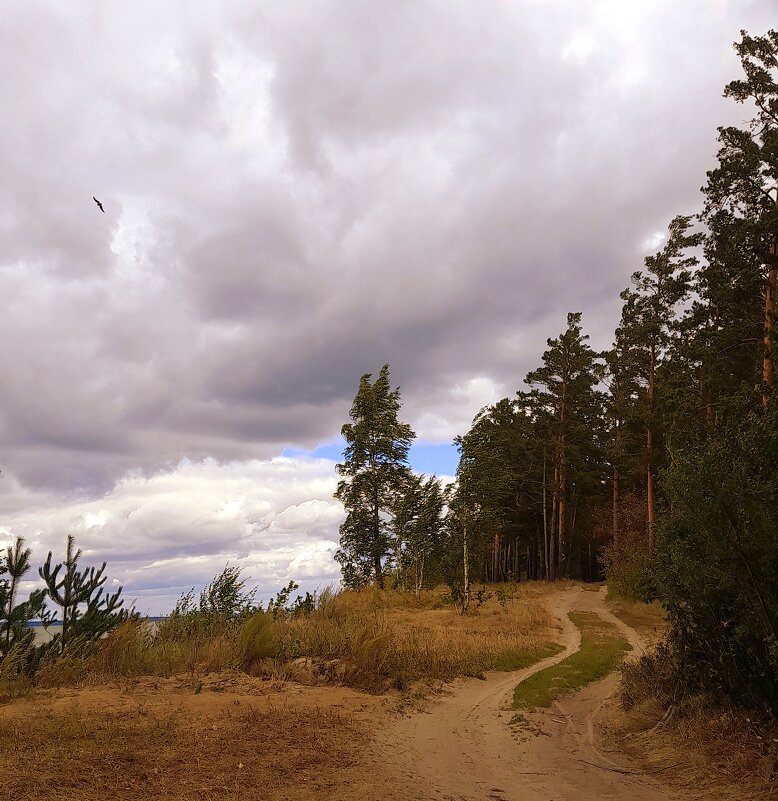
654 463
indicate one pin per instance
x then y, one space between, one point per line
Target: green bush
717 559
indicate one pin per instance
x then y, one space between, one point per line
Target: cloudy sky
296 193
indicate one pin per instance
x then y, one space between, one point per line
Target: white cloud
275 518
453 412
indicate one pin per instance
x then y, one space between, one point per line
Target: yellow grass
235 753
370 639
395 637
722 753
649 620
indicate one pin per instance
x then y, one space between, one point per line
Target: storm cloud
296 193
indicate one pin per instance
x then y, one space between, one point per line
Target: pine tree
622 370
740 205
489 473
374 468
647 317
14 617
564 393
418 525
87 611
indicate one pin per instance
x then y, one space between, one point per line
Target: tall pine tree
564 391
740 211
647 317
374 469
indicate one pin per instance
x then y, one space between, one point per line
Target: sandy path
463 749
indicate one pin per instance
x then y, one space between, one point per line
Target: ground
230 736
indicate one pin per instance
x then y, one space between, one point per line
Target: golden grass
649 620
704 745
712 753
239 754
370 639
174 717
387 636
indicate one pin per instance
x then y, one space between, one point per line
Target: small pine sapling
87 611
14 617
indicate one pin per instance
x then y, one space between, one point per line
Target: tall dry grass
371 639
695 740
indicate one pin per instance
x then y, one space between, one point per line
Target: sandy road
463 748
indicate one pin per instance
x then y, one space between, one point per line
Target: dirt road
464 749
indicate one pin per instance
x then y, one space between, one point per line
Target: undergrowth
717 741
370 639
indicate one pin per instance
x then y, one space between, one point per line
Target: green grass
602 649
516 660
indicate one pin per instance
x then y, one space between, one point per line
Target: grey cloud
299 193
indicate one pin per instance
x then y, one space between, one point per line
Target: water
47 634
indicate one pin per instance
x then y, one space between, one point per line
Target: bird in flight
99 204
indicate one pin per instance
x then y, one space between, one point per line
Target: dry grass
702 744
386 636
370 639
177 717
649 620
711 753
239 753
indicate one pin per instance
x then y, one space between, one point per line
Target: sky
296 193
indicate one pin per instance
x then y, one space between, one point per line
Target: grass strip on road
602 649
517 660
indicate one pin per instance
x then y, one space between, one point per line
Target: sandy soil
238 738
464 748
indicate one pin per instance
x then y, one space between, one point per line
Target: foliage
374 469
718 561
256 639
419 529
627 562
87 611
15 564
226 596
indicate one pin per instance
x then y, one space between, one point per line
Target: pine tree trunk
379 573
589 571
466 572
546 572
707 400
768 369
616 481
561 554
650 452
561 521
552 532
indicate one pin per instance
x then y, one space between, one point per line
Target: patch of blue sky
324 450
438 458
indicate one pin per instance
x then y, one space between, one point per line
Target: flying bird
99 204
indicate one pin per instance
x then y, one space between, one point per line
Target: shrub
627 565
257 640
717 560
